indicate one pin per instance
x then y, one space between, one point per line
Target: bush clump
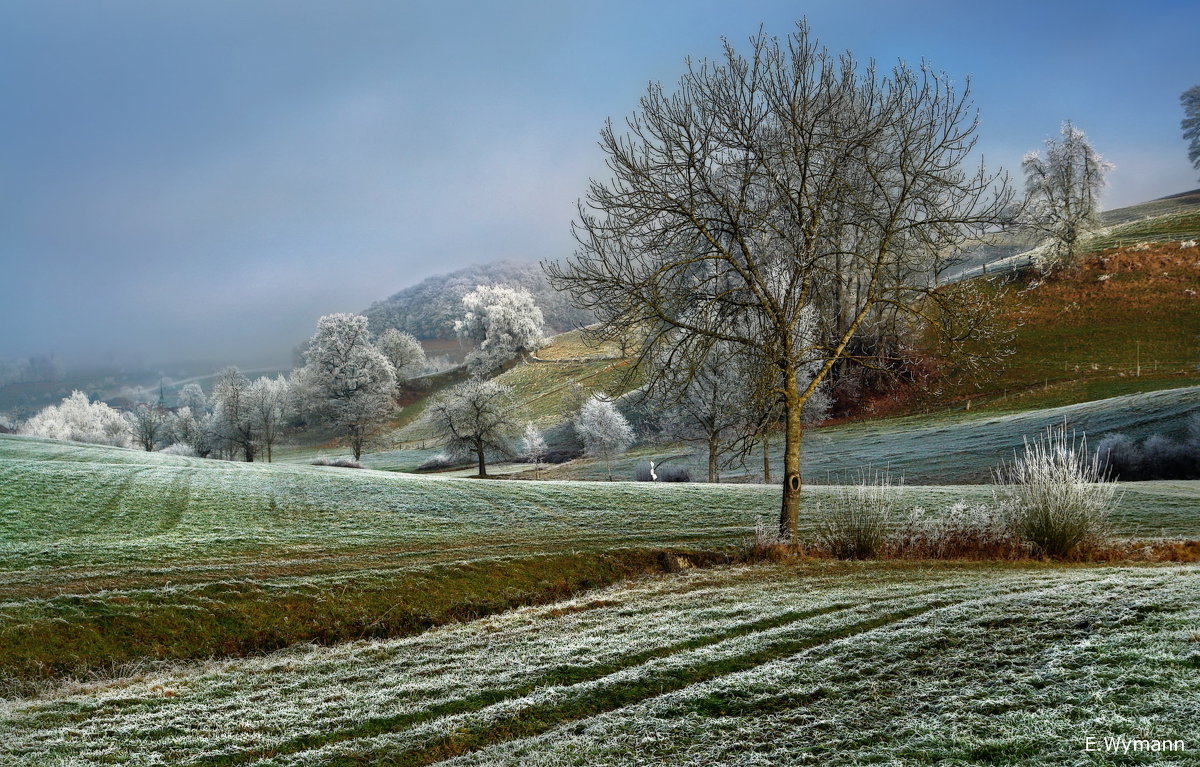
437 463
562 454
1055 498
963 532
854 525
341 463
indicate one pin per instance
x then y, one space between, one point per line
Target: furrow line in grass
97 523
790 691
177 500
538 719
563 676
623 693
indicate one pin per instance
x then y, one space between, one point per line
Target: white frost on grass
609 637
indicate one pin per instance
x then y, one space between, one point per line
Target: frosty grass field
761 665
182 565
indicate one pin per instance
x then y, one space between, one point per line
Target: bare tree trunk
713 476
766 437
793 434
479 453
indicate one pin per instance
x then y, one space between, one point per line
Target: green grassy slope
1122 321
545 388
828 664
1125 322
1175 203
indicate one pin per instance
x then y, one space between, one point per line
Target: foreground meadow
819 664
110 558
164 610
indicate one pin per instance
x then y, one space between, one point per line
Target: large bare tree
775 185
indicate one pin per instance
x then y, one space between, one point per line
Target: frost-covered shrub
962 532
178 448
438 462
854 524
1121 455
533 444
80 420
1163 458
1054 496
675 474
341 463
604 431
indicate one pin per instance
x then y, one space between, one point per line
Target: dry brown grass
963 539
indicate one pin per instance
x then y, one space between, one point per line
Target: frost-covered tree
404 351
476 417
192 397
196 429
147 424
1190 99
503 321
533 446
233 417
603 430
270 402
78 419
346 381
1062 188
772 182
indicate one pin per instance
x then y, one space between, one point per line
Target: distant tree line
347 383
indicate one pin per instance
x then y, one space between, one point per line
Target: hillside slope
1123 320
935 449
1126 321
546 387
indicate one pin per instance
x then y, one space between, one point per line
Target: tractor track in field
538 718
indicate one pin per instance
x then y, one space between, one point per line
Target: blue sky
202 180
